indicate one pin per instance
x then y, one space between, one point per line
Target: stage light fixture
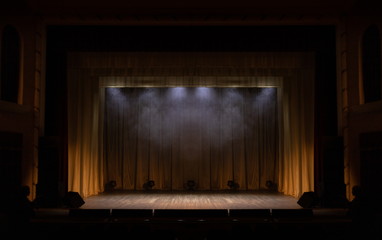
232 184
110 186
271 186
149 185
191 185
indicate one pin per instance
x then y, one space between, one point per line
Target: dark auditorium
191 120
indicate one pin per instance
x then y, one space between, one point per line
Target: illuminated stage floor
98 216
191 200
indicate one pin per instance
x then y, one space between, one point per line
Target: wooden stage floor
97 216
191 200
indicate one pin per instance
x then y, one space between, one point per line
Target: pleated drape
207 135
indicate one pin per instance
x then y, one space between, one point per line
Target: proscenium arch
85 69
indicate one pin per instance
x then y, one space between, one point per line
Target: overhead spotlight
149 185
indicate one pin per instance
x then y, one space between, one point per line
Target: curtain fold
196 122
85 124
89 73
297 148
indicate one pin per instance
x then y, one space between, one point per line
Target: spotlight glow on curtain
208 135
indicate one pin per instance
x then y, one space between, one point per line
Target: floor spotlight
232 184
110 186
271 186
149 185
191 185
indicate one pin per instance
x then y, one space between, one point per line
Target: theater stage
193 215
191 200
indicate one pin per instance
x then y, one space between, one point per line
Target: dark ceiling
49 7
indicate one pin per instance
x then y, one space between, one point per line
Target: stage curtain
90 73
208 135
296 167
85 127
